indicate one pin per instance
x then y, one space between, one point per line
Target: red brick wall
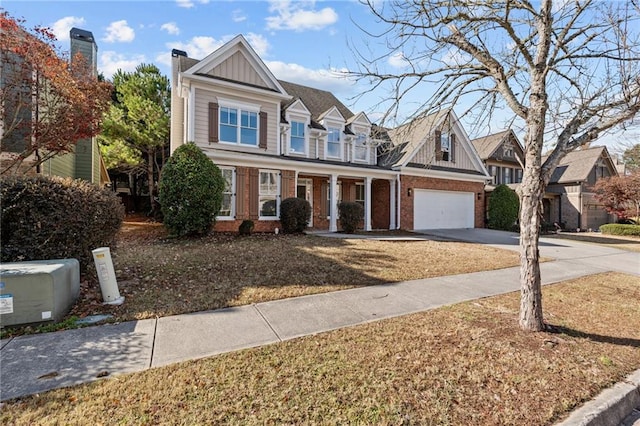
260 225
380 204
418 182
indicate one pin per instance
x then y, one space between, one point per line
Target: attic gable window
445 146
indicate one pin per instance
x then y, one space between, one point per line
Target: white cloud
299 16
110 62
238 15
258 43
325 79
201 46
171 28
397 60
189 3
62 26
454 57
119 31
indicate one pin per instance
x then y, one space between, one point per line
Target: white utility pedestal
107 276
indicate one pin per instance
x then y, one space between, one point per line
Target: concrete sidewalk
37 363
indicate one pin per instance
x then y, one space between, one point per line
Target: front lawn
463 364
160 276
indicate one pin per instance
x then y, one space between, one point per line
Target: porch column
392 204
333 206
367 203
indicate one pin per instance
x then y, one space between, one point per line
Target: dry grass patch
614 241
465 364
160 276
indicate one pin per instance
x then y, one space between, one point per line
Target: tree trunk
530 284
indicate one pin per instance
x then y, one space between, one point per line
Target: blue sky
300 41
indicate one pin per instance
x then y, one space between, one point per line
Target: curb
610 407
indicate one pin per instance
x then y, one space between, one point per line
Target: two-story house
274 139
569 199
503 156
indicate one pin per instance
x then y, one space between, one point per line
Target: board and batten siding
427 155
202 100
237 68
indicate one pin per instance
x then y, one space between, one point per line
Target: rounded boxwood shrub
190 192
503 208
295 214
351 214
55 218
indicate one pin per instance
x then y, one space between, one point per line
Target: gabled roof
414 134
317 101
237 44
576 165
487 145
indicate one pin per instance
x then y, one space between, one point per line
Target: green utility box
37 291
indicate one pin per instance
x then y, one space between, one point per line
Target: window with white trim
298 140
360 194
243 131
268 191
228 193
507 175
333 142
360 147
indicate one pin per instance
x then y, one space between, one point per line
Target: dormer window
360 147
333 142
508 150
298 139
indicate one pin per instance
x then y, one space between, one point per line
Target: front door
304 190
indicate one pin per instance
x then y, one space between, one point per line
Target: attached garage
442 209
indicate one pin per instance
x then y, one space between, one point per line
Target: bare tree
567 71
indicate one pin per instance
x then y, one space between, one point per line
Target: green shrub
246 227
295 214
620 229
503 208
351 214
190 192
54 218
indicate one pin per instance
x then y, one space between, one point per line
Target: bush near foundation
351 214
54 218
190 192
295 214
620 229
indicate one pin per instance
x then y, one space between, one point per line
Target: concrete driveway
575 253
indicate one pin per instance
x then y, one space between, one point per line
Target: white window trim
232 213
239 106
306 138
367 156
364 193
278 183
340 129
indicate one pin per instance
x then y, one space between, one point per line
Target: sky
304 41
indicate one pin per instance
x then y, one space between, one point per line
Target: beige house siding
426 155
237 68
202 100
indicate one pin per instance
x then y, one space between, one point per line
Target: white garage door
442 209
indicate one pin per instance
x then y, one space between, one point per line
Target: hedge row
55 218
620 229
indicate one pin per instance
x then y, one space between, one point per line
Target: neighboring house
85 161
569 200
503 156
274 139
